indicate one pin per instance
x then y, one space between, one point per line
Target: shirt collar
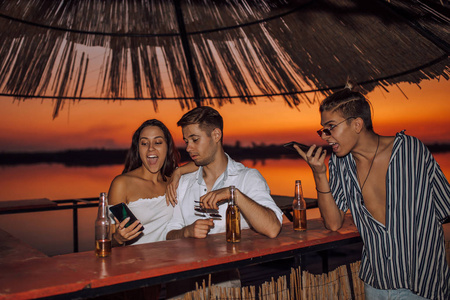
229 171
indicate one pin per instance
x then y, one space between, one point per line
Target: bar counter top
83 274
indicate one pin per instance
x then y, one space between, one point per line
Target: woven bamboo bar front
301 285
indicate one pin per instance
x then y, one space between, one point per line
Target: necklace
371 164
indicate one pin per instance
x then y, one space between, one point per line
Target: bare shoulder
119 189
126 178
120 180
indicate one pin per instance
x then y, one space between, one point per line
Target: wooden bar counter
81 275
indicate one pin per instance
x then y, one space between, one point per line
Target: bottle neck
232 199
102 206
298 190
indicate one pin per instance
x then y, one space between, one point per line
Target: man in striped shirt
397 194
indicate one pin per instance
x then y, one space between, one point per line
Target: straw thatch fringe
132 49
302 286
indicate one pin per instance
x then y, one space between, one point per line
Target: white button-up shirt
192 186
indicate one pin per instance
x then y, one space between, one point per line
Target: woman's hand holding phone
124 234
128 226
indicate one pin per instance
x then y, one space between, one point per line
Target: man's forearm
261 218
175 234
331 214
265 222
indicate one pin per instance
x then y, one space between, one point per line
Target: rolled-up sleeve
256 188
177 221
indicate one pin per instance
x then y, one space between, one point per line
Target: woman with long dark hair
149 163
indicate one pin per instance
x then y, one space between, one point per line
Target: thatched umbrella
212 51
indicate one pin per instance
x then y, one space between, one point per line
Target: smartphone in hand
121 212
304 148
290 146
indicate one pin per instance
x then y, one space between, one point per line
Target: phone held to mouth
290 146
303 147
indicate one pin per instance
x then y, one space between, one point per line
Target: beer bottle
233 219
102 228
299 207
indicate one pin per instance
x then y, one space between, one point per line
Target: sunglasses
327 131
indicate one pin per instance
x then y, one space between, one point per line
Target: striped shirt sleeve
336 186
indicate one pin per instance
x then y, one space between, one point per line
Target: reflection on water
51 232
55 181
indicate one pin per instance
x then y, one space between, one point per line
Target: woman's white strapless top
154 214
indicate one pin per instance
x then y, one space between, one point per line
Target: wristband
320 192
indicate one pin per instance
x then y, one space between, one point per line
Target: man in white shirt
203 133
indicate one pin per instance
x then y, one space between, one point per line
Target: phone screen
121 212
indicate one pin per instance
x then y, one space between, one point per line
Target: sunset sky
28 125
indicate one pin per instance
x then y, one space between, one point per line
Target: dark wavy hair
133 160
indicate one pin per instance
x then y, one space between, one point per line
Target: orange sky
28 125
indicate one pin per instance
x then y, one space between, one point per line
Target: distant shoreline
100 157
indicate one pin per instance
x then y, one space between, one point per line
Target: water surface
51 232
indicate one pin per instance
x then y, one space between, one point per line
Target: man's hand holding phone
291 145
313 155
295 146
